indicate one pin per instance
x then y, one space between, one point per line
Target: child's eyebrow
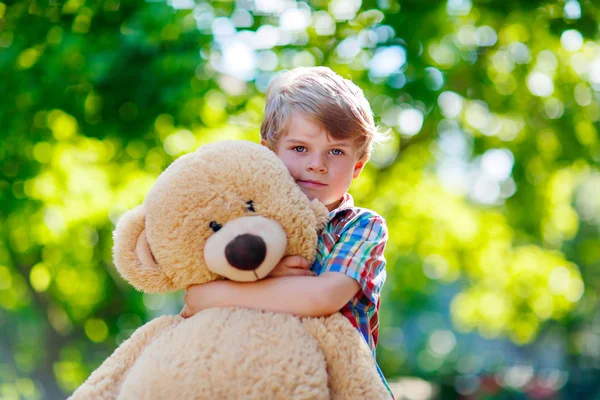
342 145
334 144
294 141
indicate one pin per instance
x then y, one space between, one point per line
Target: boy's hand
292 266
220 293
200 297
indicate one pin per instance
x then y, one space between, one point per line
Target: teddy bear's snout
246 252
246 249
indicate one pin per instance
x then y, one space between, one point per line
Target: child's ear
269 145
358 167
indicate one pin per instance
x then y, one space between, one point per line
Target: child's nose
317 168
317 165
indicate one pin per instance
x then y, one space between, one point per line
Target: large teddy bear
230 210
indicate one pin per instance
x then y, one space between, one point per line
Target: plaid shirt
352 243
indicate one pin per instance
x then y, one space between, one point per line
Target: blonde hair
332 101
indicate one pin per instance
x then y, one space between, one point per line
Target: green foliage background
490 183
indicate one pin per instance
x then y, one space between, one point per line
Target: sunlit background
490 183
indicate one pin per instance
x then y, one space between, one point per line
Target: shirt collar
346 204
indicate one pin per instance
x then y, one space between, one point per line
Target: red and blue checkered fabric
353 243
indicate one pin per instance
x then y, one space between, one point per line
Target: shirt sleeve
358 253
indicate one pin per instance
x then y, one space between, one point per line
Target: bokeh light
489 180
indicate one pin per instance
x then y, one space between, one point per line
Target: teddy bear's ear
133 257
321 213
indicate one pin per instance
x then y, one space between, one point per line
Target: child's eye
337 152
299 149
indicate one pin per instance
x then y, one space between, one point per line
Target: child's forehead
323 136
304 128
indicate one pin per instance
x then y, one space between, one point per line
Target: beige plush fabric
167 244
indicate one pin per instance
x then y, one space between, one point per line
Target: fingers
302 272
292 272
292 266
296 262
186 312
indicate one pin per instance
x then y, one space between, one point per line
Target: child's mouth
308 183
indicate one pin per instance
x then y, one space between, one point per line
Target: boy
321 126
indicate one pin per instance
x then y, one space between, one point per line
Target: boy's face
320 165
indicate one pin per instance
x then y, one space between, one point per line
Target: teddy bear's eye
250 205
215 226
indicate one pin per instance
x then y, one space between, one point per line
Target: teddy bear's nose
246 252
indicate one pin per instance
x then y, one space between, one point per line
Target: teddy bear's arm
105 382
350 365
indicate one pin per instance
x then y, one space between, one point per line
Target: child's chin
310 196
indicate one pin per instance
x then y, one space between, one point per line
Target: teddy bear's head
228 210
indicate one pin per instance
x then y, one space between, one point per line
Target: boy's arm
304 296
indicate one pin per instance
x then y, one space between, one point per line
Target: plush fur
194 227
